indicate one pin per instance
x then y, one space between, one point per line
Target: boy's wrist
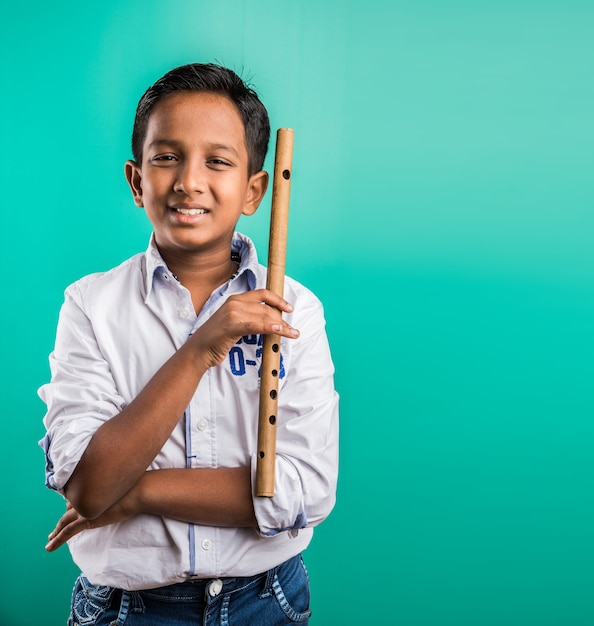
202 359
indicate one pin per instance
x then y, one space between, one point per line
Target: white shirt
115 331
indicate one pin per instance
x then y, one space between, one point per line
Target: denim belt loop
131 603
270 578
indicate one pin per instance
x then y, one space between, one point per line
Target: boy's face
193 180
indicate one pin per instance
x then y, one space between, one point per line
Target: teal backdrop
442 209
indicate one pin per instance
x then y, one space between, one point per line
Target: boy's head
207 77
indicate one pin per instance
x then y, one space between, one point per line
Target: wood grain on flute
275 281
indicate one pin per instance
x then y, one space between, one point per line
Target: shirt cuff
285 511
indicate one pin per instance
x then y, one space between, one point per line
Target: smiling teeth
191 211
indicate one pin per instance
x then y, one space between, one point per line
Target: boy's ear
256 189
134 178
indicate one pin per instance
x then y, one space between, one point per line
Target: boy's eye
219 164
163 159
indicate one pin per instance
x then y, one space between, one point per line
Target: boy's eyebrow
211 146
223 146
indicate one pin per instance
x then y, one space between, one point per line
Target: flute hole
274 373
273 394
286 174
261 455
275 347
272 419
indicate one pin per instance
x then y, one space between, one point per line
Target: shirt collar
244 247
241 244
154 265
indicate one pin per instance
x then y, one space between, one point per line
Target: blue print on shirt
246 353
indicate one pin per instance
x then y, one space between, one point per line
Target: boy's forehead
204 112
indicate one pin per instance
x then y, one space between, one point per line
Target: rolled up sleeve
306 466
81 395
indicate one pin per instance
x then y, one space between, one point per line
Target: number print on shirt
247 353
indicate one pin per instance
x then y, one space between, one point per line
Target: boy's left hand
72 523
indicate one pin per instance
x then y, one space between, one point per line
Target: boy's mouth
191 211
186 211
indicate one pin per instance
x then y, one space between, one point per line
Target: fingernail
276 328
289 306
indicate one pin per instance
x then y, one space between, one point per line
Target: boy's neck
201 274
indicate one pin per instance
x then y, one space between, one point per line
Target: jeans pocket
291 589
89 602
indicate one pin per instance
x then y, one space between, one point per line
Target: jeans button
214 587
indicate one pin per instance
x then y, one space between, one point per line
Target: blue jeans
279 596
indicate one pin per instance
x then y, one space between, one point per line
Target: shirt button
206 544
202 425
184 313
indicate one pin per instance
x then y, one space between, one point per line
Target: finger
268 297
264 319
66 533
253 315
284 330
274 323
68 517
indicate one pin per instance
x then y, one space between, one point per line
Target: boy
152 407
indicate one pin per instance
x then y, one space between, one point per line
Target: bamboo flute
275 281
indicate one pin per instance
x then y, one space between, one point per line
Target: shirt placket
201 452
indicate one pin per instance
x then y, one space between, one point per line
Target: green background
442 209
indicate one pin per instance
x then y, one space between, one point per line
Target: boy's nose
190 179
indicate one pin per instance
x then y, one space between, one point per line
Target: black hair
212 78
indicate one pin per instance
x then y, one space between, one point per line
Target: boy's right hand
250 313
72 522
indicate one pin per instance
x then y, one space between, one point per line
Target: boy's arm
120 451
208 496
